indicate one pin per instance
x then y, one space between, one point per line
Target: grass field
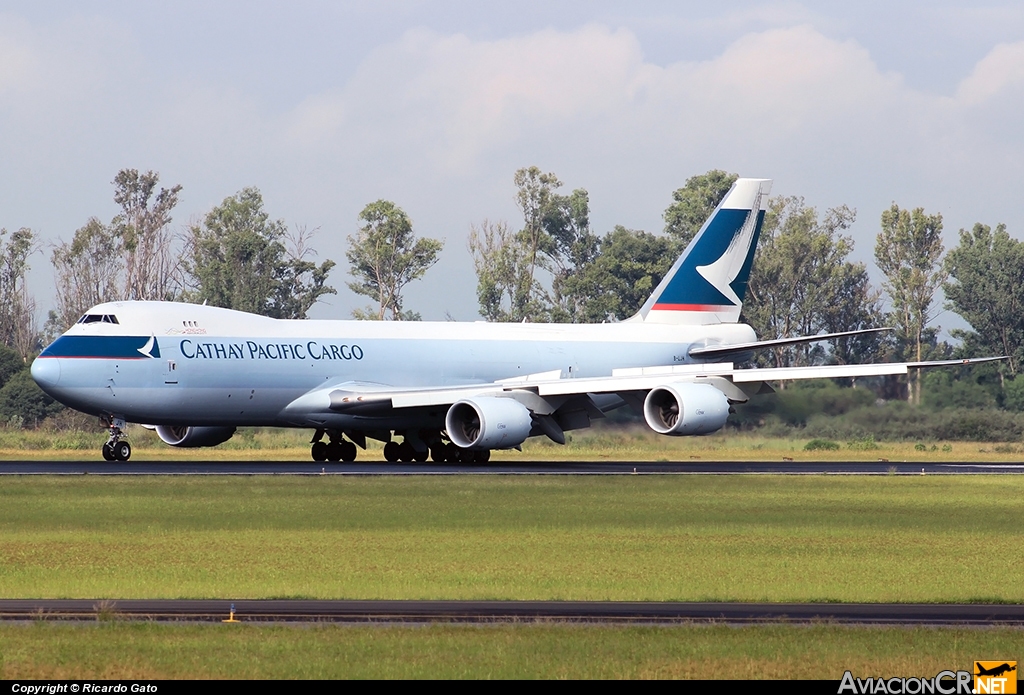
606 443
818 538
152 651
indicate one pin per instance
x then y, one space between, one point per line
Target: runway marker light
231 616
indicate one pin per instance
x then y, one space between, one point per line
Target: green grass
816 538
602 443
152 651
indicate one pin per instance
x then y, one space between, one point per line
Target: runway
97 467
511 611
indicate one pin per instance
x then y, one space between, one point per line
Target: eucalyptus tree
985 285
802 283
693 204
238 258
908 251
384 256
151 263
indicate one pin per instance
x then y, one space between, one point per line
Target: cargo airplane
451 391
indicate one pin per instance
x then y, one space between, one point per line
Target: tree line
552 268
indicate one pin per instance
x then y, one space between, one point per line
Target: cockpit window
98 318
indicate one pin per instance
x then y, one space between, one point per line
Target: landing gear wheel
334 451
348 452
483 456
451 453
108 453
319 451
122 450
467 456
392 452
437 453
420 456
406 454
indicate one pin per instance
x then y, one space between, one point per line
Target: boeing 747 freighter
451 391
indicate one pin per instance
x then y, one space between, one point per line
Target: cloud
1001 70
438 122
458 101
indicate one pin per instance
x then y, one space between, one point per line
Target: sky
328 106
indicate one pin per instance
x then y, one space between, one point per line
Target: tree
802 284
238 259
152 270
303 282
10 364
985 286
385 256
23 403
17 308
505 287
627 267
908 251
88 272
527 275
573 249
693 204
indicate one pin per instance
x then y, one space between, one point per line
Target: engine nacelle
194 436
488 423
686 408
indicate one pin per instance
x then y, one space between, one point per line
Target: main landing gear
439 451
416 447
116 448
337 449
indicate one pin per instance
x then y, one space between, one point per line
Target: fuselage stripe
692 307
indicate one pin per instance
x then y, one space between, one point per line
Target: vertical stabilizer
708 281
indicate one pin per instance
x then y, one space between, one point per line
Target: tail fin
707 282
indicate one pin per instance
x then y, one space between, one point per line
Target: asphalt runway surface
99 467
512 612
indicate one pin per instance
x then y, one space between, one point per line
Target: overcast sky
328 106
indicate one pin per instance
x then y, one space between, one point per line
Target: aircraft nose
46 371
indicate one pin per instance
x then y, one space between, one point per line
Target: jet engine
194 436
686 408
488 423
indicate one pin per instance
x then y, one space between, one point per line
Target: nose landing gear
116 448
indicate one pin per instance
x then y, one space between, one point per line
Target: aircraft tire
108 453
483 456
438 453
406 454
319 451
122 450
451 453
391 452
420 456
334 451
348 452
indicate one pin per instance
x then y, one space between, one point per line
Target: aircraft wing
719 351
545 392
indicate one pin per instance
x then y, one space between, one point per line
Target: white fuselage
212 366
